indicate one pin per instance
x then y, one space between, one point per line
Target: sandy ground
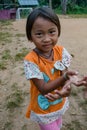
12 79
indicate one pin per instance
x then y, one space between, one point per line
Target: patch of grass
3 65
22 70
75 125
8 126
14 86
19 35
14 100
74 93
5 22
83 104
77 15
0 81
6 55
24 127
19 56
5 36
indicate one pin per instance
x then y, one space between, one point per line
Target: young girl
45 67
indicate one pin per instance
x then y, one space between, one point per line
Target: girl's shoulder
58 48
31 56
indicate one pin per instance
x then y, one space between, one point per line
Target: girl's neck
48 55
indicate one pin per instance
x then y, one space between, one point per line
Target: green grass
83 104
5 22
3 65
19 35
14 100
19 56
74 93
24 127
75 125
77 15
14 86
4 59
6 55
8 126
5 37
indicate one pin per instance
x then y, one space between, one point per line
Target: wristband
65 76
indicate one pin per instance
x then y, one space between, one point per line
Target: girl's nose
46 38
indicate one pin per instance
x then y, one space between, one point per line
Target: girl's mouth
47 45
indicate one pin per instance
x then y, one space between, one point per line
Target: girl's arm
45 88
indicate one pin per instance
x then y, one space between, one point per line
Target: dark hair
43 12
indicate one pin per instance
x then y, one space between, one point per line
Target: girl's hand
75 80
83 81
64 92
79 82
51 96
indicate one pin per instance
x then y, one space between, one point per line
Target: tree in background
77 6
55 4
64 6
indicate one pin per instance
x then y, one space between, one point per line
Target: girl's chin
47 48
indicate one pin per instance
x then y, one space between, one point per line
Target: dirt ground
13 84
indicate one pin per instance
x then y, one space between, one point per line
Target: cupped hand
83 81
78 81
64 92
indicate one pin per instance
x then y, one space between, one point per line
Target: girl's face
44 34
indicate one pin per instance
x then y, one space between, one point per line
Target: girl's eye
52 32
39 34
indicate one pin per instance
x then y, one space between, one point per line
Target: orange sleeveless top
47 68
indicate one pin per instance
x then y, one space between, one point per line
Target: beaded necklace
41 54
